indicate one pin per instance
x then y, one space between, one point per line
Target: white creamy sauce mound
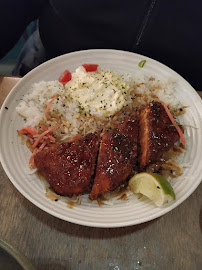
99 92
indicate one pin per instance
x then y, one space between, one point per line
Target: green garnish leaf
142 63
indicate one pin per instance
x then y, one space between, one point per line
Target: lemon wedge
153 186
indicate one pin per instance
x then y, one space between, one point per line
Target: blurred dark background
168 31
8 62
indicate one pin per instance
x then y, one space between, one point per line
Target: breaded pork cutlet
156 134
117 159
68 167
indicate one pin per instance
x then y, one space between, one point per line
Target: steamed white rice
71 119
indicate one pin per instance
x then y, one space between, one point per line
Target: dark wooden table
171 242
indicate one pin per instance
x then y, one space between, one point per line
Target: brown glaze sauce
50 194
123 197
180 111
117 157
158 136
70 204
100 201
68 167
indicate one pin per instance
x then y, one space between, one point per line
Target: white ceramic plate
14 156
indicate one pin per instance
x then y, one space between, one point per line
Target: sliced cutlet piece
156 134
117 159
68 167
